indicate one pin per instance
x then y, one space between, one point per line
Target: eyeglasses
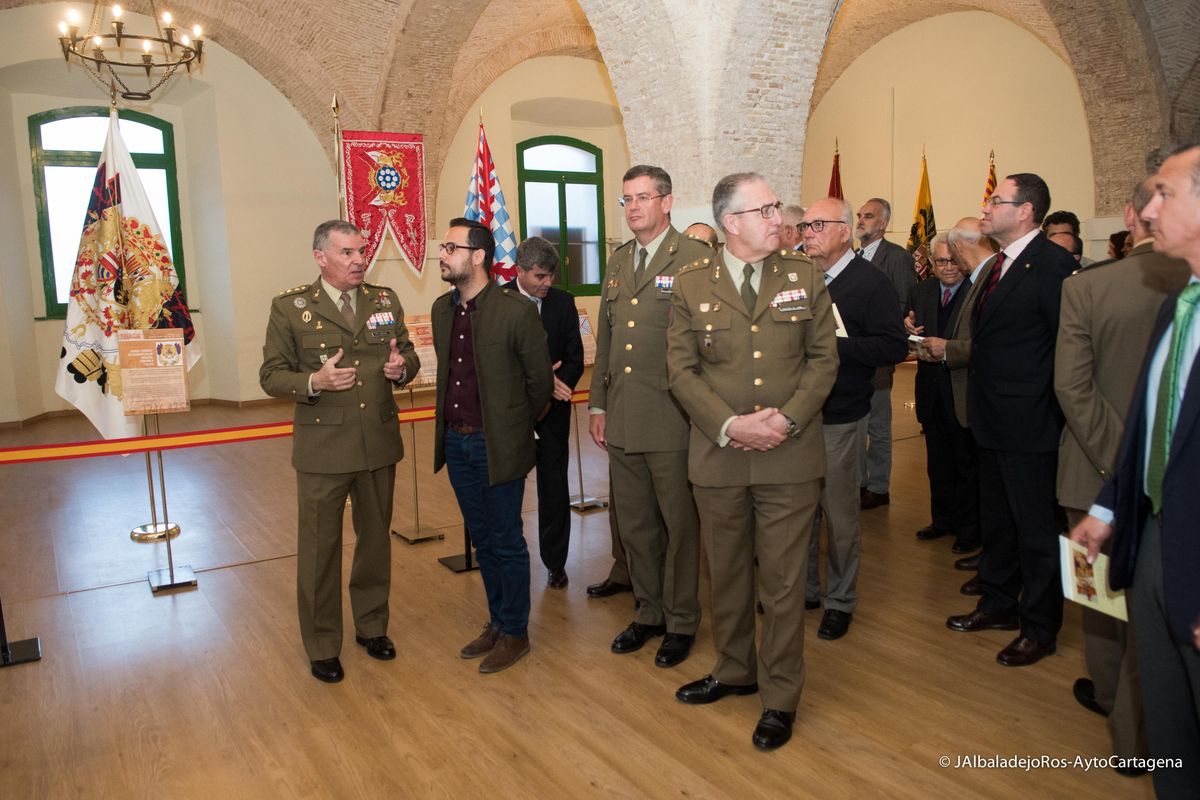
996 201
943 262
638 200
450 247
766 211
818 225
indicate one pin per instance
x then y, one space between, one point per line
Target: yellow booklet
1087 584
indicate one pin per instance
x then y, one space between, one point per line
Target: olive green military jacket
629 379
512 365
724 361
351 430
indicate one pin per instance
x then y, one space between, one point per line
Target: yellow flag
923 227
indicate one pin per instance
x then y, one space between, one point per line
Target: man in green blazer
751 357
642 427
494 382
337 347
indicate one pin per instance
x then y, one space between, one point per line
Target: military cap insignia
793 277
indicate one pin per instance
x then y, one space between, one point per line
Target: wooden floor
206 693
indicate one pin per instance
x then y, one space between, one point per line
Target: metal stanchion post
581 501
22 652
172 577
417 533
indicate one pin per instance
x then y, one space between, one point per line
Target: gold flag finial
334 106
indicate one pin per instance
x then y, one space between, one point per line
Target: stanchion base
418 535
161 578
154 532
22 652
587 503
458 563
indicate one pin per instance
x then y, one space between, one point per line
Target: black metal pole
20 652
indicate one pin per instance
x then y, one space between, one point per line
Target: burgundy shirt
462 392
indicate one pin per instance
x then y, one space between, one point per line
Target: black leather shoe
636 635
970 563
1085 693
380 647
774 729
872 500
557 579
328 670
674 650
812 605
982 621
607 588
972 588
960 547
709 690
1023 651
929 533
834 625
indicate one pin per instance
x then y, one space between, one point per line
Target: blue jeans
492 515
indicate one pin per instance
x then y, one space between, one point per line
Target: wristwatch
793 430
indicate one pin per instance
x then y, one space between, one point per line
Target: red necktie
993 279
945 297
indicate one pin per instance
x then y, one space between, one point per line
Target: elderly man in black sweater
870 335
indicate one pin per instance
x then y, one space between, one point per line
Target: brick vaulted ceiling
419 65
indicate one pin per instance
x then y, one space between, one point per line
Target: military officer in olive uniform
643 428
751 357
337 347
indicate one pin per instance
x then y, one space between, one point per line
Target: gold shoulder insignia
294 290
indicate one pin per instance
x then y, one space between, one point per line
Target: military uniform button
708 327
318 420
633 302
628 370
360 383
758 381
362 405
757 407
356 341
794 318
356 364
754 329
630 324
629 346
322 345
758 353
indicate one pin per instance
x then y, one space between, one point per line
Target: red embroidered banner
385 190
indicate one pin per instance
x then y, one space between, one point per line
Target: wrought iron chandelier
122 54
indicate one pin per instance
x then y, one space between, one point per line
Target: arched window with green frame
65 146
561 193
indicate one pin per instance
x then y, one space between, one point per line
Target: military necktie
749 296
990 286
641 267
1167 407
347 310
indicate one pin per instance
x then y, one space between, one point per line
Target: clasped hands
763 430
931 348
332 378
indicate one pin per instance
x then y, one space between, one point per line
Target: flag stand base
459 563
171 578
22 652
418 535
587 503
154 532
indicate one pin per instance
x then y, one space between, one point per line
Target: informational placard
420 331
153 371
589 339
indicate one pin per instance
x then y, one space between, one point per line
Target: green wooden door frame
41 158
562 179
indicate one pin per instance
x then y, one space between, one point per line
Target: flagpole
583 501
337 157
417 534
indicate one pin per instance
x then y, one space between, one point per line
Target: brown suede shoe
483 643
508 651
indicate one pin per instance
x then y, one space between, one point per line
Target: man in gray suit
897 264
1108 313
636 420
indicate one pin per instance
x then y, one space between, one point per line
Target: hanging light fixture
114 56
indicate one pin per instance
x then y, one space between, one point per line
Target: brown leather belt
465 430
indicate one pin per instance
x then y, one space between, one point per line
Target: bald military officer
751 357
338 347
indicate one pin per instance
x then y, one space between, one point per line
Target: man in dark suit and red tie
1151 507
1017 424
537 262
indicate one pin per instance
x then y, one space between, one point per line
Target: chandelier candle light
119 51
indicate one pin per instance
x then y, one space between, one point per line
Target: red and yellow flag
991 178
923 228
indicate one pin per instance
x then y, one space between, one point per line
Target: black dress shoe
972 588
982 621
834 625
872 500
380 647
1023 651
607 588
636 635
812 605
328 670
960 547
557 579
674 650
774 729
929 533
1085 693
970 563
709 690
